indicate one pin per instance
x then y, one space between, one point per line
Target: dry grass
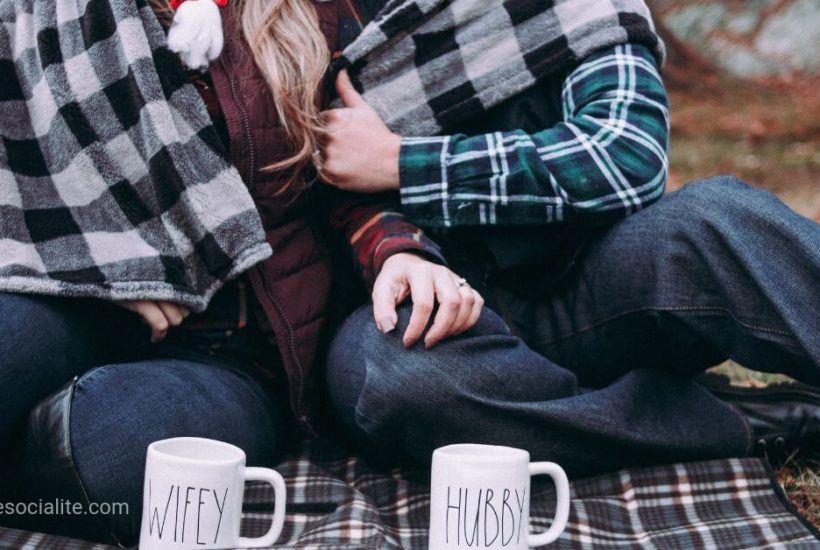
800 478
769 135
798 475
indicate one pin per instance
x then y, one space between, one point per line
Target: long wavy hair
291 52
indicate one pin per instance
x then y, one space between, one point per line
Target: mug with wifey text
193 496
480 498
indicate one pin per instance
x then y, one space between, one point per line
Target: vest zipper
245 123
298 377
297 391
299 374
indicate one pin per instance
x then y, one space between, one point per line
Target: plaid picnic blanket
113 183
337 501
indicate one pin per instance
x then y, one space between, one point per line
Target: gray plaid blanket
426 65
113 183
337 501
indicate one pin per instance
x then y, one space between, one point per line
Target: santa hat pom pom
196 31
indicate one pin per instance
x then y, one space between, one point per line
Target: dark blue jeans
128 394
596 374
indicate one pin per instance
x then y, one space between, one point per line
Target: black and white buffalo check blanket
337 501
426 65
113 183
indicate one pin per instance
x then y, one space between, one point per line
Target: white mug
480 498
193 496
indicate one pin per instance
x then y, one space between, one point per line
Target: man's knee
705 217
719 201
391 390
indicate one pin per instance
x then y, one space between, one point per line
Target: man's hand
160 316
359 153
405 274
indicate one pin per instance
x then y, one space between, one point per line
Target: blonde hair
291 51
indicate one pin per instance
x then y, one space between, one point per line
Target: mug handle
275 479
559 477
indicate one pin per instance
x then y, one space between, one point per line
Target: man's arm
605 160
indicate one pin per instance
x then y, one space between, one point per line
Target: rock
749 38
698 22
792 37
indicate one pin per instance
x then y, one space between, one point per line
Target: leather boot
784 418
47 473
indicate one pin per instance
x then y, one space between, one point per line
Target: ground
768 133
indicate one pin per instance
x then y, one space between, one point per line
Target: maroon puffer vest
292 285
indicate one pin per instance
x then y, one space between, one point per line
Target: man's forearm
606 159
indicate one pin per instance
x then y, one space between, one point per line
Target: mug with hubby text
480 498
193 496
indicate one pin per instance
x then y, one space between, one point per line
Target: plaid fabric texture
426 65
113 183
339 501
375 230
605 159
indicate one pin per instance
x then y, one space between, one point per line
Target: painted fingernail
386 325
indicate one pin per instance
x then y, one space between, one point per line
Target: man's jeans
596 375
126 396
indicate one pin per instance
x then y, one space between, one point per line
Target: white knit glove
196 33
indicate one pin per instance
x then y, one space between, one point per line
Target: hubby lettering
483 517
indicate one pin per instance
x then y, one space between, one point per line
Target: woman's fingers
173 313
160 316
468 300
449 308
385 296
470 304
153 315
422 293
429 285
475 312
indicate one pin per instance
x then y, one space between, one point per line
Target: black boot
784 418
44 473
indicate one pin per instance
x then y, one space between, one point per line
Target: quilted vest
293 285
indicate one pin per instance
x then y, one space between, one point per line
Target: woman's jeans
128 394
596 374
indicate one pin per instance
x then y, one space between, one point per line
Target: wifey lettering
187 506
484 517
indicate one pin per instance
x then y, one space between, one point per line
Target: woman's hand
160 316
406 274
359 153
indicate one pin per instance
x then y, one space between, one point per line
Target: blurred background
744 84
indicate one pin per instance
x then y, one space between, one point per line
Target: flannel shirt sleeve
376 229
606 159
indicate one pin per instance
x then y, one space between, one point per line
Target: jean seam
93 373
750 441
664 308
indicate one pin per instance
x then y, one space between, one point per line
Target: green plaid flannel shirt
606 159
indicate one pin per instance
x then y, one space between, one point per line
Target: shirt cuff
423 179
415 243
